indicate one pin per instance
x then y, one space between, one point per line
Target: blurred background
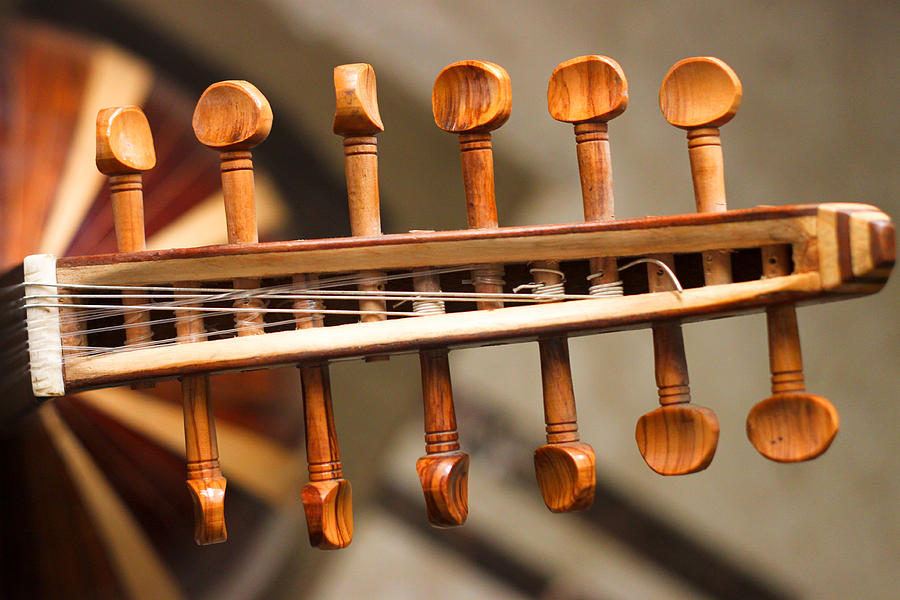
93 492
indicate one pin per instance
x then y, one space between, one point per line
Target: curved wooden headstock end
471 96
792 427
700 92
587 89
124 141
678 439
356 101
329 513
566 474
445 483
208 495
232 115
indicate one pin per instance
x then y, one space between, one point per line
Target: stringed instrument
138 316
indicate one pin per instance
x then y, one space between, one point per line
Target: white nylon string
79 307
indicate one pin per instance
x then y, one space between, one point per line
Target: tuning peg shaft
357 120
791 425
472 98
233 117
700 95
124 150
678 438
444 470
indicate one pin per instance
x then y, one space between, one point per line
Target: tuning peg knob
587 89
232 115
124 141
471 96
700 92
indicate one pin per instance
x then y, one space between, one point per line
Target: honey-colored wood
124 150
444 470
327 497
233 117
589 91
356 118
678 438
830 262
700 95
810 229
472 98
791 425
565 466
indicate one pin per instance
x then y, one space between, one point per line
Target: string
311 293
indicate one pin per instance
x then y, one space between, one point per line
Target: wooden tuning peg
356 119
678 437
589 91
700 95
586 91
234 117
790 425
472 98
124 149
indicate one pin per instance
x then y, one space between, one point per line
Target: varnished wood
124 151
356 118
327 497
802 227
791 425
678 438
444 470
565 466
700 95
472 98
812 231
589 91
233 117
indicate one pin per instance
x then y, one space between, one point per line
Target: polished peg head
700 92
356 101
792 427
124 141
329 513
232 115
566 475
471 96
444 478
678 439
587 89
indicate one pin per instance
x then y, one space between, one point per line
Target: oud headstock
307 302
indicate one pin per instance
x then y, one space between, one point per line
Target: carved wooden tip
329 513
232 115
208 495
356 101
445 483
124 141
471 96
700 92
678 439
587 88
566 475
792 427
